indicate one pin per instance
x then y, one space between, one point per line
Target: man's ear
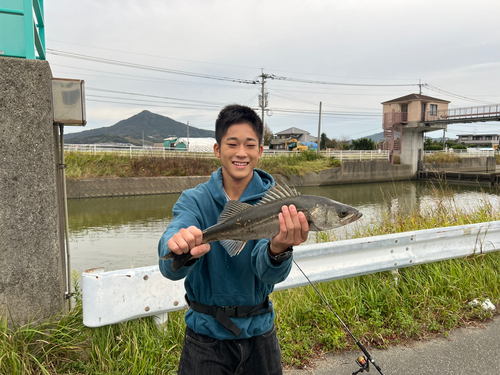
217 150
261 151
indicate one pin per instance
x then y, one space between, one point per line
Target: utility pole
319 130
263 96
188 136
420 86
444 139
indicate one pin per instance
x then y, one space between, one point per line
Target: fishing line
364 366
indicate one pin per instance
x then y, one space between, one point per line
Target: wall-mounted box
68 101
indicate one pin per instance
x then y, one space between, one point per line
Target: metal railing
465 113
468 153
118 296
137 151
22 29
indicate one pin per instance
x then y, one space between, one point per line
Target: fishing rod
363 362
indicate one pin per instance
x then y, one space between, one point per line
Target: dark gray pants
260 355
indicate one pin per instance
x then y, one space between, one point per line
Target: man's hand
294 230
186 240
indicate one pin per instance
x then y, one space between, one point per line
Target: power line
437 89
146 67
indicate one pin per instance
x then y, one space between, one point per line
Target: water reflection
119 233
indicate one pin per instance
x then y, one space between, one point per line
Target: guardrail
137 151
118 296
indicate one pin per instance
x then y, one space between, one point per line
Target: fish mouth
354 217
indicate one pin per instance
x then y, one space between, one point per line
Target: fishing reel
363 363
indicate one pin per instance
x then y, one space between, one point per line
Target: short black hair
237 114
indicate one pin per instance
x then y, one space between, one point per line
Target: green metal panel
181 146
169 143
21 34
12 40
12 4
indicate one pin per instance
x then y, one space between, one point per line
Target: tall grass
383 311
81 165
380 310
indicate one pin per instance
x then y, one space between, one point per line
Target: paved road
472 350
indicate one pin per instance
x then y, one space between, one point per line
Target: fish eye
342 213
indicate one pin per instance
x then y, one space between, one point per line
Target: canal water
122 233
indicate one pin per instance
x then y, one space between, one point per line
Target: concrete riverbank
350 172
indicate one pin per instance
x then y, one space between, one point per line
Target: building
414 109
486 140
288 139
189 144
407 119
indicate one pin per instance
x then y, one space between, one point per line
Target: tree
363 144
323 141
268 135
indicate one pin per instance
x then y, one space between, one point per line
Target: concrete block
31 284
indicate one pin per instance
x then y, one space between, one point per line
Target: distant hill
375 137
155 128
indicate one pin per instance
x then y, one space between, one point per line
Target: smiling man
229 326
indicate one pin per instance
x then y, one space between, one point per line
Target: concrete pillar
31 279
412 142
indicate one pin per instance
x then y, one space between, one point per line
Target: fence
468 153
118 296
137 151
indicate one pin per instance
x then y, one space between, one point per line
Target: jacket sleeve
267 272
186 214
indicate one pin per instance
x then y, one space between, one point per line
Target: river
122 233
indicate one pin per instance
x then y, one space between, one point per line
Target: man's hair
237 114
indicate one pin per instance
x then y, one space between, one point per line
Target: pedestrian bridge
463 115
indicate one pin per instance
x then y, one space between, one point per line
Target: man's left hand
294 230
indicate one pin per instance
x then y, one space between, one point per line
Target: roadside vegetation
426 300
83 165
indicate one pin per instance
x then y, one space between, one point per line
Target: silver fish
241 222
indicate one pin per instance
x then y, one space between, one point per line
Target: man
230 326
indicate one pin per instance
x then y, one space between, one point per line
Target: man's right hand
186 240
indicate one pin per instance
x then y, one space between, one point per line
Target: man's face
239 152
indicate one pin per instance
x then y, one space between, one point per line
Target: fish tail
178 260
170 255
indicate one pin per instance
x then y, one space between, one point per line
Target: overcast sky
187 59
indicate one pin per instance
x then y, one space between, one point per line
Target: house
487 140
288 139
413 109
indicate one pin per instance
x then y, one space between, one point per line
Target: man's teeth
236 163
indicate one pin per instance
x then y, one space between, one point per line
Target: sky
187 59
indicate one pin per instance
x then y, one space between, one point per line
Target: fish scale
241 222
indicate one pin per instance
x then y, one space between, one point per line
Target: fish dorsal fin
278 192
233 247
232 208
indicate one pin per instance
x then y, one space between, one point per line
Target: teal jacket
216 278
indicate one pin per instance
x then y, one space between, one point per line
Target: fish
241 222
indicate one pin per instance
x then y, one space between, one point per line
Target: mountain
375 137
155 128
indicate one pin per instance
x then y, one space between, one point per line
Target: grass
81 165
425 300
441 158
